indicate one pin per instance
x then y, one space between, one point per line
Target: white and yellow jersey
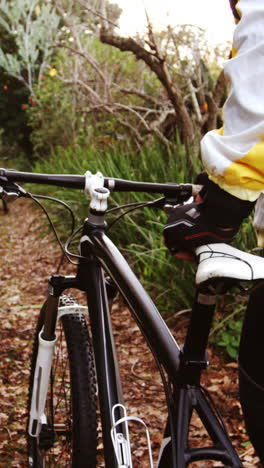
234 155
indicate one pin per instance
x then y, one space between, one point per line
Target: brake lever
184 197
166 203
171 203
10 191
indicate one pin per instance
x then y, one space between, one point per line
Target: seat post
193 356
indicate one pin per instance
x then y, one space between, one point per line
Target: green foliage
33 26
246 237
12 118
65 114
15 135
27 31
98 92
52 116
227 329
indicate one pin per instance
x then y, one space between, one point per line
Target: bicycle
63 402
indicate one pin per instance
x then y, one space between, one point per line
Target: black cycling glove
215 219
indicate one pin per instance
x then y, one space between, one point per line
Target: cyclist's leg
251 371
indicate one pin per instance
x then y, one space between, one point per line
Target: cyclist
234 179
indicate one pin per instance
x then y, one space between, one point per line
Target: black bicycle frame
183 368
99 255
142 308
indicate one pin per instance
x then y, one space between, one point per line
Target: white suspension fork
40 386
37 415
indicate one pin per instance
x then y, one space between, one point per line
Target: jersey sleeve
234 155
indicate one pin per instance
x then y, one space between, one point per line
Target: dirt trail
27 260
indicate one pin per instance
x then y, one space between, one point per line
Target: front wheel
68 438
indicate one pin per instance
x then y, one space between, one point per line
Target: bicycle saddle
224 261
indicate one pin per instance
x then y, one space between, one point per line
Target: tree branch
158 66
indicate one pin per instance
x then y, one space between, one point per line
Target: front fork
46 344
37 417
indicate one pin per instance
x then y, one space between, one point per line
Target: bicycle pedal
121 440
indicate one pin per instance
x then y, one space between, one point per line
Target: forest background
76 95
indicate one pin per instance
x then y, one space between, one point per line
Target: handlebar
181 191
59 180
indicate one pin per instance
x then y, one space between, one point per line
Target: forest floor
28 258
